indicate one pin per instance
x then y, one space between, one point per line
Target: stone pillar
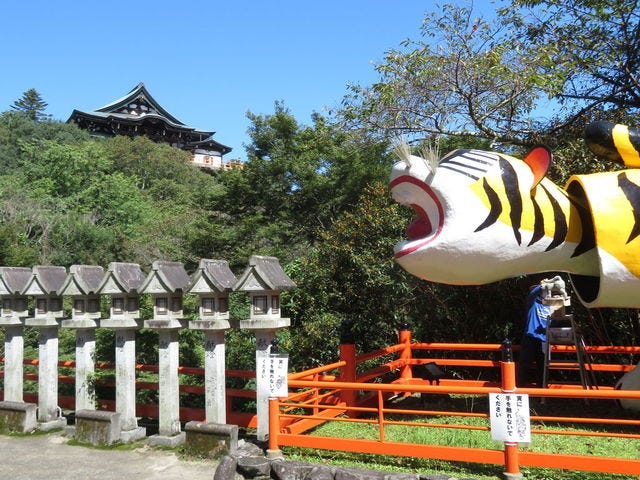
215 377
49 414
85 369
169 383
13 362
125 331
126 377
169 432
263 342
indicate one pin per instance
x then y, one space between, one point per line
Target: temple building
138 113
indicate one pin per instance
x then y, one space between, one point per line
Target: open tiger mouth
410 191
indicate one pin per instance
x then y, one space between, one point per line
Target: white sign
510 420
271 375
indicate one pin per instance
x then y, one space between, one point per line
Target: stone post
81 285
85 365
214 369
13 360
169 432
13 310
212 282
49 414
44 286
122 283
166 283
264 279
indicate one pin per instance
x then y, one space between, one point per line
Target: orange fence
341 393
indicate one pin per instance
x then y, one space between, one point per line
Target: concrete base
128 436
512 476
166 441
273 454
97 427
17 417
60 422
211 439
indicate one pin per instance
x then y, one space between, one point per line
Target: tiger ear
539 160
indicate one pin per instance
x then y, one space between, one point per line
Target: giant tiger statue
485 216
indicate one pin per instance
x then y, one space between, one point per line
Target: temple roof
138 113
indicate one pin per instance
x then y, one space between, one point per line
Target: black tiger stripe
512 191
588 239
559 220
538 222
460 164
496 206
632 192
467 174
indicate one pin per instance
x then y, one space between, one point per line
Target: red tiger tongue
418 229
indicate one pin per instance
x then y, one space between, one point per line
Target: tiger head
485 216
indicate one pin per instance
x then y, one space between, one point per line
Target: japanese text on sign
510 420
272 375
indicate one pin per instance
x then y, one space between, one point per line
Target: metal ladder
562 330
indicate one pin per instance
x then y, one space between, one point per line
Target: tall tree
32 104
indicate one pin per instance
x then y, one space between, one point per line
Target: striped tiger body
485 216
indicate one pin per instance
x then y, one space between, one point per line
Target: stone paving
50 457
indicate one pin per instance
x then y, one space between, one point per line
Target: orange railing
341 393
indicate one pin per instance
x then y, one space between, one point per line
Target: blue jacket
537 315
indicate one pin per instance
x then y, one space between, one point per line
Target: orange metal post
274 423
404 338
348 372
348 356
508 371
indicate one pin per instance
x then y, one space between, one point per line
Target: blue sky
206 62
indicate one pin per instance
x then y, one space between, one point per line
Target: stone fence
45 287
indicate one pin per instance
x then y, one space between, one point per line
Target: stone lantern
13 310
264 280
45 285
82 285
122 283
166 283
212 282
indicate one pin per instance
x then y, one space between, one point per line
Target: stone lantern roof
264 273
45 280
13 280
122 278
166 277
212 276
83 280
13 306
45 286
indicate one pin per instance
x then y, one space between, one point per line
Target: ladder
562 330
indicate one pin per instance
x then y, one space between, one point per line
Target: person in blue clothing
533 346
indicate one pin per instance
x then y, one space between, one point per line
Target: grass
570 444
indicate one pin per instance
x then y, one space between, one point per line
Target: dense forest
316 196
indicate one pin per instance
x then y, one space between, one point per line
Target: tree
32 105
593 46
464 77
520 78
